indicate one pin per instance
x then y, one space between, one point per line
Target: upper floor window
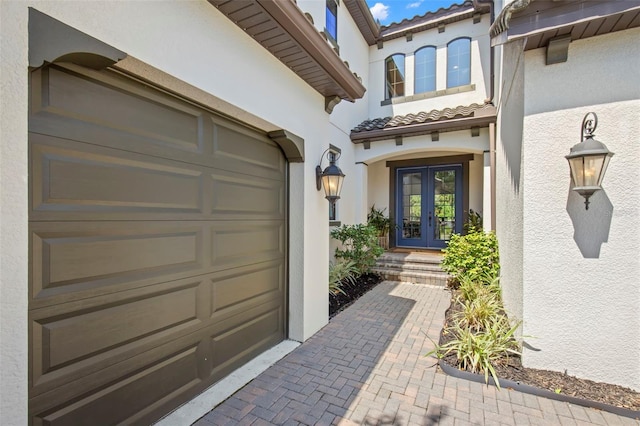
332 19
394 71
459 62
425 69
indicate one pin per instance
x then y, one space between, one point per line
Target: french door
429 205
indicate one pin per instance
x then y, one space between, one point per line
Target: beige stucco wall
580 267
189 41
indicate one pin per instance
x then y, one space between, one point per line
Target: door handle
429 218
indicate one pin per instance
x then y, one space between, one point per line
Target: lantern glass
332 184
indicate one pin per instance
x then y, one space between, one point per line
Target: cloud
380 11
414 5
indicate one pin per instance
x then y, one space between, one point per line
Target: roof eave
559 18
449 125
292 21
363 18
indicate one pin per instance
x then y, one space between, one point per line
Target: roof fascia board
425 128
360 12
291 18
524 24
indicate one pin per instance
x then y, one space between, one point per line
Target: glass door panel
429 208
444 204
410 221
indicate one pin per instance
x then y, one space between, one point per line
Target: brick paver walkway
367 367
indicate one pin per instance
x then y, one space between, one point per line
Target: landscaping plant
477 351
379 221
474 223
474 256
341 272
359 245
480 334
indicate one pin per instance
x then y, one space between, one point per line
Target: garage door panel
84 178
213 146
162 120
234 150
75 339
131 397
239 197
246 287
77 259
235 343
246 243
87 334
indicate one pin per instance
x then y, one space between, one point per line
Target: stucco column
361 201
487 193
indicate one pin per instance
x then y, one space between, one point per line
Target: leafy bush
474 223
343 271
359 245
473 255
379 221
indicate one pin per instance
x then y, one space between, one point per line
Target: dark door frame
421 162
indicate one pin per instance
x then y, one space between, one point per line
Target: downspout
492 126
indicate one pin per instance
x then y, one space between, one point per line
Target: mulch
363 284
511 369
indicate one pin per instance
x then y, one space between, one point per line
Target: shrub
359 245
473 255
379 221
341 272
474 223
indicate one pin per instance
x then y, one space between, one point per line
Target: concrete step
439 279
415 267
418 267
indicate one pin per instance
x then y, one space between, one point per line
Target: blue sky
388 11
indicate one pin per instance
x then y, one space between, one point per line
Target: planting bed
559 383
352 292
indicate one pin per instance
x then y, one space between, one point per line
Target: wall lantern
331 178
588 160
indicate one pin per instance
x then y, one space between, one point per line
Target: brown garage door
157 248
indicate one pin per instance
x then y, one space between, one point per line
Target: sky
388 11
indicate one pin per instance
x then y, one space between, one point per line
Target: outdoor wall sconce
588 160
331 178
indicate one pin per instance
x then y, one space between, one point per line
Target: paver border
521 387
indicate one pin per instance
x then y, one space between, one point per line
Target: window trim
448 50
387 95
435 69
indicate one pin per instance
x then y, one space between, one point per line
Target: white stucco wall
162 34
580 267
480 54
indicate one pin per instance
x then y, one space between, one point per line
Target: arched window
459 62
394 71
425 69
